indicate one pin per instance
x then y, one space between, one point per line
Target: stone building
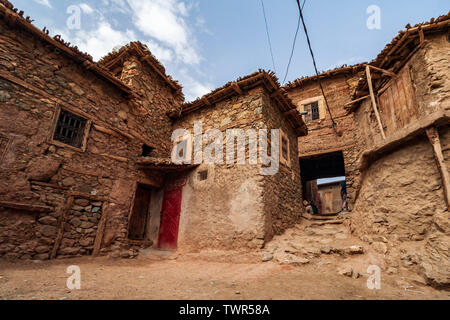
390 140
329 150
85 151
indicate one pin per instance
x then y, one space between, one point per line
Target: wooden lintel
86 196
374 102
48 185
26 207
61 225
433 136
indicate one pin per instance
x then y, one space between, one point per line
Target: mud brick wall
236 199
400 209
36 79
283 191
321 137
225 211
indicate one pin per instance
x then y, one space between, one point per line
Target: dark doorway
138 225
323 182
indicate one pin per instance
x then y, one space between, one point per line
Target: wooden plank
62 223
357 100
26 207
100 230
386 72
433 136
374 103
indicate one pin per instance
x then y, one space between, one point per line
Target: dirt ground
168 277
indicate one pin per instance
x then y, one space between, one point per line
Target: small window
285 157
203 175
313 112
70 129
147 150
284 147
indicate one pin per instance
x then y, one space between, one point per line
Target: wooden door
137 228
170 219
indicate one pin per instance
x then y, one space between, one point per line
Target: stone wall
321 138
283 191
226 210
401 209
36 80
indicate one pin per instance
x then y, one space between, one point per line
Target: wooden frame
61 144
283 160
322 108
130 214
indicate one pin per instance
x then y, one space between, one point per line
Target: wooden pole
433 136
62 223
100 230
374 102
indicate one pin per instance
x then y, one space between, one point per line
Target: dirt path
187 278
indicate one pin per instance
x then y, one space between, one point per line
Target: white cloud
44 3
100 41
163 20
193 88
86 8
163 54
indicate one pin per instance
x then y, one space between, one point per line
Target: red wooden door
170 219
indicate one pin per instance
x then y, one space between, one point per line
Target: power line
315 67
293 45
268 35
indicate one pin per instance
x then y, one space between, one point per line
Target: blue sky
206 43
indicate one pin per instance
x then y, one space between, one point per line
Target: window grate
70 129
315 111
312 110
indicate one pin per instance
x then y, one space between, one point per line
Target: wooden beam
26 207
433 136
357 100
62 223
288 113
236 88
206 101
386 72
100 231
421 37
374 102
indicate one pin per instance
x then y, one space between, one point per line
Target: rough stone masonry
85 151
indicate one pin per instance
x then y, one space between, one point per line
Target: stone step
322 223
319 217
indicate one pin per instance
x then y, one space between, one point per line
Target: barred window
70 129
313 112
